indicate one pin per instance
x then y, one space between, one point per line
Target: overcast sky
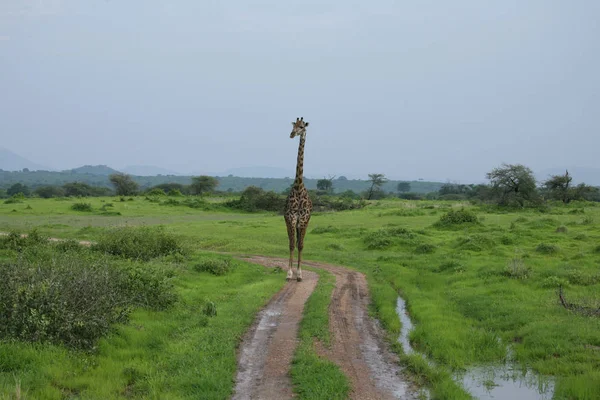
413 89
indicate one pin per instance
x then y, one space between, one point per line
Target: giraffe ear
306 124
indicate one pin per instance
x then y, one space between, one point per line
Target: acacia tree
377 180
403 187
513 184
559 187
124 184
325 185
203 184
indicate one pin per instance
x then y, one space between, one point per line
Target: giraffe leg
301 233
291 229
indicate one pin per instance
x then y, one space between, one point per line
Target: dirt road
357 347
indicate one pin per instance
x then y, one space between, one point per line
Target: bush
256 199
553 282
15 199
73 298
457 217
476 242
377 240
546 248
425 248
175 193
81 207
562 229
139 243
210 309
450 265
215 266
18 242
325 229
156 192
517 269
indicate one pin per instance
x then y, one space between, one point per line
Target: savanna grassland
476 280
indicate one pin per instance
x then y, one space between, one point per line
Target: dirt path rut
357 347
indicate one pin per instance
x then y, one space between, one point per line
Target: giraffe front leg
291 229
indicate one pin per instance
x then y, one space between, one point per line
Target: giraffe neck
300 164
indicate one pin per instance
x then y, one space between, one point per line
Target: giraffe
298 205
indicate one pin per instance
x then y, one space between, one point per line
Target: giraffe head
299 127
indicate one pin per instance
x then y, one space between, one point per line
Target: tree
47 192
124 184
558 187
403 187
325 185
513 184
18 188
377 180
77 189
203 184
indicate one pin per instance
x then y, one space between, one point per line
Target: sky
412 89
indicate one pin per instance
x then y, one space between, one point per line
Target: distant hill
260 172
10 161
147 170
588 175
101 170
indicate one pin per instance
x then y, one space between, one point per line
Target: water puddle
493 382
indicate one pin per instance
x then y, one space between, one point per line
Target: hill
10 161
102 170
147 170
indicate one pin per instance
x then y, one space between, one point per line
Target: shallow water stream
505 381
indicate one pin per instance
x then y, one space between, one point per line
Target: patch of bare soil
268 347
358 344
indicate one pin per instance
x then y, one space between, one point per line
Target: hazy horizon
427 90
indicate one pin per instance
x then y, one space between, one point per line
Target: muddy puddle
488 382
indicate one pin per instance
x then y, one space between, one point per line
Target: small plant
580 236
476 242
425 248
545 248
215 266
507 240
210 309
522 219
562 229
553 282
377 240
517 269
175 193
81 207
587 220
156 192
16 198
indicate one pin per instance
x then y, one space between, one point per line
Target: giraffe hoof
299 279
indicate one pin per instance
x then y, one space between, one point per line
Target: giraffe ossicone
298 206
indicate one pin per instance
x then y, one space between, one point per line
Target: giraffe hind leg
301 232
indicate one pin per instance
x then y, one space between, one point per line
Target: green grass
313 376
175 354
467 300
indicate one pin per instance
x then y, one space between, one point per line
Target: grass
313 376
466 305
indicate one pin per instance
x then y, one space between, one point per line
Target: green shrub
545 248
81 207
215 266
377 240
175 193
18 242
335 246
139 243
457 218
562 229
578 277
325 229
450 265
256 199
587 221
553 282
210 309
171 202
476 242
425 248
156 192
507 240
16 198
517 269
73 298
